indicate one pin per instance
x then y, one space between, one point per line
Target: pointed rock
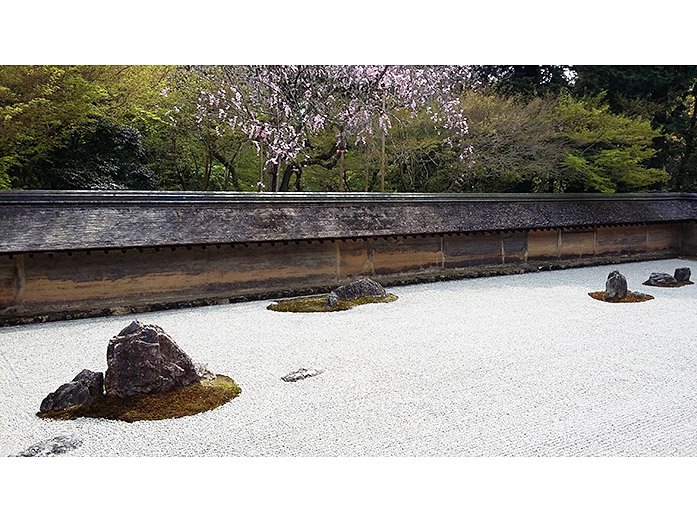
143 359
615 286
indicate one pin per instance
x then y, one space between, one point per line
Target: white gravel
524 365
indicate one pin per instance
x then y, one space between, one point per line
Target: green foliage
542 144
644 90
101 155
663 94
420 159
522 80
5 183
608 152
589 174
513 143
42 108
187 147
634 128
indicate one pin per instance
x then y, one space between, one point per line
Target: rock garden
148 377
522 365
616 286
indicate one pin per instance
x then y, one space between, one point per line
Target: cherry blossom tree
281 109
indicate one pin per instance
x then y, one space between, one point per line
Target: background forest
349 128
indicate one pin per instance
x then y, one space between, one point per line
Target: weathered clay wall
68 284
689 239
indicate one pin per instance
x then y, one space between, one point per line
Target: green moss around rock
632 297
319 303
186 401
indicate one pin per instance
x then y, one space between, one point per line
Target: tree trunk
175 162
207 169
382 152
262 161
231 171
367 168
277 178
298 174
287 173
689 143
342 184
272 171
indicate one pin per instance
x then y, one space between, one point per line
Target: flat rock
682 274
616 286
660 279
365 287
302 374
84 388
51 447
143 359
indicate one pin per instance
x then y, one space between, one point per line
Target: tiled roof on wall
39 221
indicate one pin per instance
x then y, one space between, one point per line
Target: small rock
51 447
143 359
301 374
332 299
615 286
357 289
203 372
660 279
682 274
84 388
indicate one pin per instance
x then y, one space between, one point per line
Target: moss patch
674 284
187 401
319 303
632 297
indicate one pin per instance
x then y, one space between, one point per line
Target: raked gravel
524 365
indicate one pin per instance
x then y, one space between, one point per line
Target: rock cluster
680 277
616 286
365 287
141 359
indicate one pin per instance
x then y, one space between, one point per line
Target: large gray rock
51 447
660 279
682 274
365 287
143 359
84 388
615 286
